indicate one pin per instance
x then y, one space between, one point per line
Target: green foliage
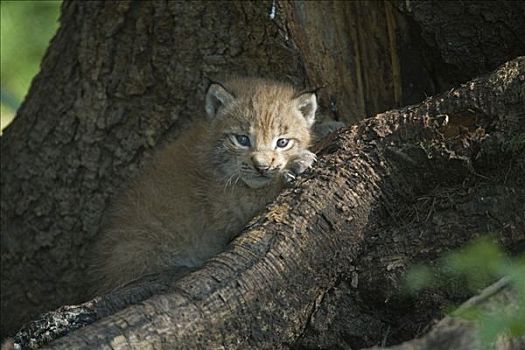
479 263
476 266
26 28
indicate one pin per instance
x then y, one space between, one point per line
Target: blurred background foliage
473 268
26 29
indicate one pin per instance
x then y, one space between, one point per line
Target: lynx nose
261 165
263 170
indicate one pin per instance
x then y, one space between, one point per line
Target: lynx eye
282 143
243 140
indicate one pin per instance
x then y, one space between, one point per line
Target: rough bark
120 77
276 284
354 59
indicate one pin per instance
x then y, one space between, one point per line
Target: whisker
228 182
237 180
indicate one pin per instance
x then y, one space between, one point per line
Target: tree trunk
121 77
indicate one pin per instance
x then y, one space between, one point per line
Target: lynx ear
216 97
307 104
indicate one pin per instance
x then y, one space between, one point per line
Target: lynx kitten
203 188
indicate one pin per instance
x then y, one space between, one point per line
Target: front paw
303 161
299 165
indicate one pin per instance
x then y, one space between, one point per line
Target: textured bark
354 58
121 77
371 305
279 279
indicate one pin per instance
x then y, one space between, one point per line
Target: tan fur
201 190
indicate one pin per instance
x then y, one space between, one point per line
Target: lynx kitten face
257 128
